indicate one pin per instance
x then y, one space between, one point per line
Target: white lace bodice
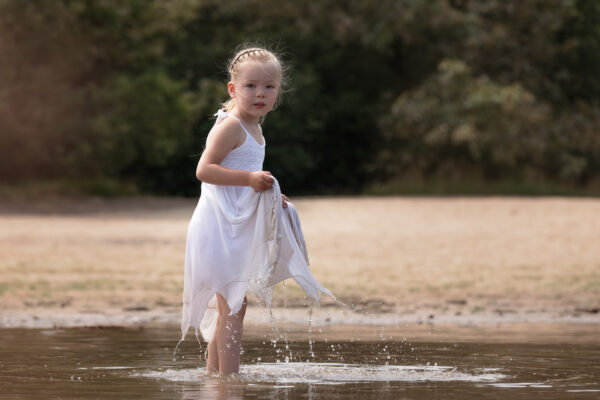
249 156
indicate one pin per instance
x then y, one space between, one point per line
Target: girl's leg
228 337
212 362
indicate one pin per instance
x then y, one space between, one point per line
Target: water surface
139 363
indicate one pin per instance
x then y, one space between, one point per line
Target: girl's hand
284 200
261 180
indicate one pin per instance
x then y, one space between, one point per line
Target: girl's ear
231 89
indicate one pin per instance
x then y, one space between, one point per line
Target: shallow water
139 363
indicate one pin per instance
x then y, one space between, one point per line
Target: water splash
199 343
333 373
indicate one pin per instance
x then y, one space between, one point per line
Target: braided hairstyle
252 54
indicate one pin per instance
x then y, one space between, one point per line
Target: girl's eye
250 85
270 87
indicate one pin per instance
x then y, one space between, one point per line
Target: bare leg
212 363
228 337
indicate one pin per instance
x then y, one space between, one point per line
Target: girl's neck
246 119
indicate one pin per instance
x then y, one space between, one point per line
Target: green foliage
579 40
317 140
116 93
143 120
457 125
516 41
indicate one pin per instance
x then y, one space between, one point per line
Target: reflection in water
217 388
121 363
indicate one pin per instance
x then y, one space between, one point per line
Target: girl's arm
225 138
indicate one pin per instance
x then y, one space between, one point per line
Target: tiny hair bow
221 114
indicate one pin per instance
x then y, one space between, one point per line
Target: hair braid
242 55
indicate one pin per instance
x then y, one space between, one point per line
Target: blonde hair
254 54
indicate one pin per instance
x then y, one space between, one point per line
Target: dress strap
222 114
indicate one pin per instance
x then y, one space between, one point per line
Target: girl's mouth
259 105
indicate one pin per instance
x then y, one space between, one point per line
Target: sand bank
398 260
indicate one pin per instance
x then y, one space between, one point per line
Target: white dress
240 241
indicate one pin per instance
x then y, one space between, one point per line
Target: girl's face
255 89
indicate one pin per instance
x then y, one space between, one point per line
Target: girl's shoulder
227 130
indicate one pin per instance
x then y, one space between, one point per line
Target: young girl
244 235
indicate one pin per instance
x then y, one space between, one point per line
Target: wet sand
401 261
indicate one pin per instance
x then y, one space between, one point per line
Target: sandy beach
392 260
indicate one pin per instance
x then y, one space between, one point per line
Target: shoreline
44 318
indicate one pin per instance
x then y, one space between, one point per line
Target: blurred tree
457 125
143 120
529 67
579 56
42 73
516 41
324 136
90 77
124 90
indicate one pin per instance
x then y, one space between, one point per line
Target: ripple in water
334 373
